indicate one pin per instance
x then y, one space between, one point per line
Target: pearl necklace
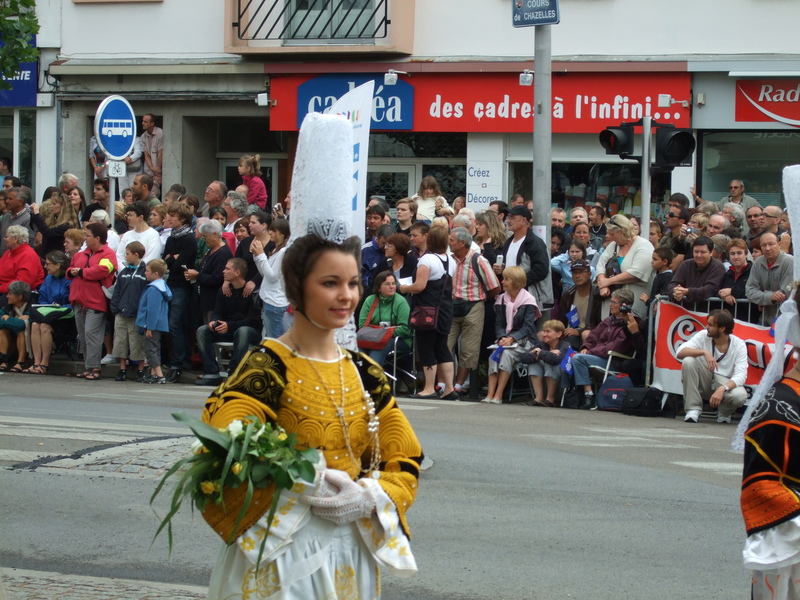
372 426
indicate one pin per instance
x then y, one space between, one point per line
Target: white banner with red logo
675 325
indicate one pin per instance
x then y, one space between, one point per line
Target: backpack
643 402
613 391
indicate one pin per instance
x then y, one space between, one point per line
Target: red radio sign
765 100
496 103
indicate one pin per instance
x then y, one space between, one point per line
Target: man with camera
698 278
611 334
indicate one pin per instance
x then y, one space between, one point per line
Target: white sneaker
108 359
692 416
486 401
723 418
495 401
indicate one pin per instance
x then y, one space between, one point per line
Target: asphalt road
519 503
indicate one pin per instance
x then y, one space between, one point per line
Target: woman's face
51 267
636 229
331 290
223 220
276 237
75 198
613 306
127 198
256 226
482 230
575 253
694 223
509 285
755 253
13 299
55 208
388 287
581 233
155 219
69 247
241 232
389 250
211 239
618 237
737 256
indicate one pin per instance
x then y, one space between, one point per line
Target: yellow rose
236 468
282 436
209 487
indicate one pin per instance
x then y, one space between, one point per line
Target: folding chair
520 371
600 374
398 361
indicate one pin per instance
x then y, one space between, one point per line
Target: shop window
418 145
579 184
756 157
351 20
235 134
452 179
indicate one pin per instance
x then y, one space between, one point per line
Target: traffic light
674 147
618 140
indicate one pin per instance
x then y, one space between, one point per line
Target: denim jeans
242 339
177 328
581 364
379 356
273 320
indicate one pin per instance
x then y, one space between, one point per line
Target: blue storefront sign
392 105
529 13
23 91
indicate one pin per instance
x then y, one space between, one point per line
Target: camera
692 230
625 309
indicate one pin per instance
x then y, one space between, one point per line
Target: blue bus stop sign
115 127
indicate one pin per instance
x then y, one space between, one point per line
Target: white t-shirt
513 252
149 238
434 263
732 364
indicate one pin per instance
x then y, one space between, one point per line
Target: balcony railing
303 21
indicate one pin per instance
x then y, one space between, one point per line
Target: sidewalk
22 584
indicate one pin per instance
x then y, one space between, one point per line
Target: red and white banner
675 325
767 100
493 102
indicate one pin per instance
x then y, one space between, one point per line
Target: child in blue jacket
152 317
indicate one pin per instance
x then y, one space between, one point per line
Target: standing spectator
516 312
374 220
397 259
100 199
562 263
136 215
128 342
257 225
20 261
66 182
270 265
581 233
92 271
134 165
717 223
770 277
714 366
577 215
785 238
101 216
734 283
755 223
234 319
624 264
157 215
78 200
558 218
152 317
406 215
490 235
53 306
98 159
500 210
73 241
209 275
250 170
734 213
214 195
16 214
526 250
698 278
675 237
419 239
14 320
179 255
62 217
429 199
142 189
432 286
153 151
597 225
738 197
241 231
474 282
235 205
372 254
662 275
5 166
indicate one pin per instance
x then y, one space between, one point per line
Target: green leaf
213 439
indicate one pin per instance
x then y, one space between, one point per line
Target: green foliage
18 25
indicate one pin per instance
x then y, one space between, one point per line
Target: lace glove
340 499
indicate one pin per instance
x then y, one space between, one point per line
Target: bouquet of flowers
231 466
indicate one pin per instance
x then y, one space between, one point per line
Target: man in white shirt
136 215
714 367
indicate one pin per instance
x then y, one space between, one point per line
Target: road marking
724 468
203 394
620 437
18 456
127 428
62 434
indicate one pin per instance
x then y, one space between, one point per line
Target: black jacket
236 310
524 325
186 249
534 258
128 291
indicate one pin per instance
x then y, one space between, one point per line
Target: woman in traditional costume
328 537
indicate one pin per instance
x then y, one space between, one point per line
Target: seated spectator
734 283
209 274
128 342
62 217
611 334
53 305
235 318
578 309
714 367
544 362
152 317
16 214
19 262
516 312
13 322
769 279
385 305
698 278
74 239
92 273
662 258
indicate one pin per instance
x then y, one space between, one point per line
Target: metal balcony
307 21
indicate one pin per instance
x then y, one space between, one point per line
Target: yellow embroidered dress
306 556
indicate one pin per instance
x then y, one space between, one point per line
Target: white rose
258 433
235 428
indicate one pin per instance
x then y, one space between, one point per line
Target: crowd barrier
670 325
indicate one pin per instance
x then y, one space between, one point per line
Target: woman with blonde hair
490 236
625 264
62 217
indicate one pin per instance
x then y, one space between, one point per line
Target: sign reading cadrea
115 127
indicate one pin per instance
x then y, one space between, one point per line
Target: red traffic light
617 140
